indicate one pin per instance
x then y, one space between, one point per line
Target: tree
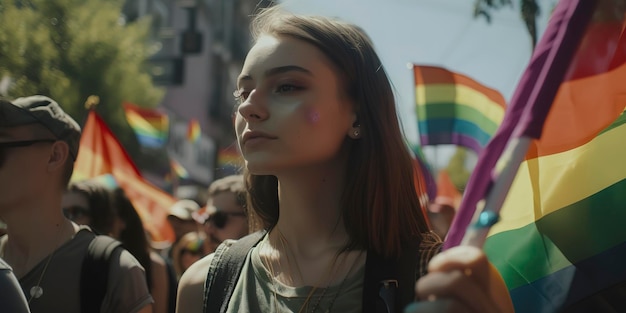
459 174
529 10
71 49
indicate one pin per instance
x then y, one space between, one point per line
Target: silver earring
356 133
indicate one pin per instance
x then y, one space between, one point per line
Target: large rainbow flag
455 109
150 126
101 153
561 241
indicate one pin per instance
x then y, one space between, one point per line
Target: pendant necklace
37 291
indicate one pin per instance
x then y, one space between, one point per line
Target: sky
440 33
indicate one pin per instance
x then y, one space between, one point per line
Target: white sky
436 32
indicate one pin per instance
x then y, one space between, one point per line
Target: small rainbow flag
178 168
193 130
150 126
229 160
455 109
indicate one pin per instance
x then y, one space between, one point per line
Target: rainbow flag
229 160
561 242
101 153
150 126
178 169
454 109
193 130
106 180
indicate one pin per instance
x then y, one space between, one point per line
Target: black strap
389 284
95 272
219 287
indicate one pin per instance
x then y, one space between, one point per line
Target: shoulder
191 286
198 271
11 298
4 265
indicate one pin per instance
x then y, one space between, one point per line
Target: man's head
36 128
181 217
225 216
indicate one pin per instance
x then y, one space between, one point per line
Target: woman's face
76 208
293 110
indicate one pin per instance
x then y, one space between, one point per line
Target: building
200 46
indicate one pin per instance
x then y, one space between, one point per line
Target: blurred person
110 212
181 217
39 143
441 212
329 173
225 215
88 202
12 298
133 236
186 251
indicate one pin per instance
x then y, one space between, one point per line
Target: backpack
388 285
94 275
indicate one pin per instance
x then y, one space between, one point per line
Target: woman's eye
287 88
241 95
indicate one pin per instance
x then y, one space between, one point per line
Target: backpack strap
389 283
225 270
95 272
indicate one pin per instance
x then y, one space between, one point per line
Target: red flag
101 153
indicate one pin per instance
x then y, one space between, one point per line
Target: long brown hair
381 210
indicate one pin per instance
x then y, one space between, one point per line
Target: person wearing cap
181 217
39 144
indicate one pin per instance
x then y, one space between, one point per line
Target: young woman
329 173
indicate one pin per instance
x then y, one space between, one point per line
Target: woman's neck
311 213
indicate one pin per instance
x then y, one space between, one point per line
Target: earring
356 133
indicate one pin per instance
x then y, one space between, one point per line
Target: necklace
343 281
305 305
37 291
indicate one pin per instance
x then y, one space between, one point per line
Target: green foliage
459 174
71 49
529 10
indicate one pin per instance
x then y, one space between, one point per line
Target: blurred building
200 46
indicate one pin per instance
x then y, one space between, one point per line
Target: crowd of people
324 217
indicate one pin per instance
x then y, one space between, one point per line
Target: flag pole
488 209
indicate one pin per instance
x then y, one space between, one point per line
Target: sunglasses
220 218
75 212
4 146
